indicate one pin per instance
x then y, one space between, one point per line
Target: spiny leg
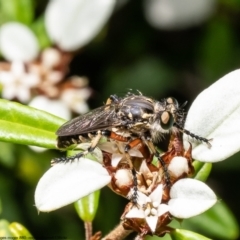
163 164
165 170
129 146
93 145
134 196
199 138
152 149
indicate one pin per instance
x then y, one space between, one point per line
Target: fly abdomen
64 142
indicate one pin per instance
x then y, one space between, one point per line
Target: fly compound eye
166 120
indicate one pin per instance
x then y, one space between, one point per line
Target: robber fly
125 119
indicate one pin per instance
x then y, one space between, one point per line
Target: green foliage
25 125
179 234
87 207
17 10
19 231
4 229
13 230
38 28
218 223
202 170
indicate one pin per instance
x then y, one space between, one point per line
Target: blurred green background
131 54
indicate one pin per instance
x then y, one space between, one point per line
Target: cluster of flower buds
143 180
42 83
156 196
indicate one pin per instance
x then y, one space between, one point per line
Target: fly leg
129 146
163 164
94 142
199 138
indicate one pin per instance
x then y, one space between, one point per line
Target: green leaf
165 237
181 234
17 10
217 222
18 230
39 29
4 230
26 125
202 170
87 206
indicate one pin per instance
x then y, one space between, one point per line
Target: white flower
55 107
65 183
118 152
75 99
82 21
215 115
46 68
17 83
149 207
18 42
178 14
188 198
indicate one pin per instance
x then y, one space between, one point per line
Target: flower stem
88 230
118 233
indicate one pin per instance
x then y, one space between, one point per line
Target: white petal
80 107
23 93
55 107
144 169
190 197
109 147
63 183
75 99
163 208
156 195
37 149
152 222
178 14
6 78
17 42
30 80
135 213
73 23
142 199
97 153
135 153
17 68
215 113
9 92
116 157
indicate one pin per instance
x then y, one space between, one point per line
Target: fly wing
99 118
